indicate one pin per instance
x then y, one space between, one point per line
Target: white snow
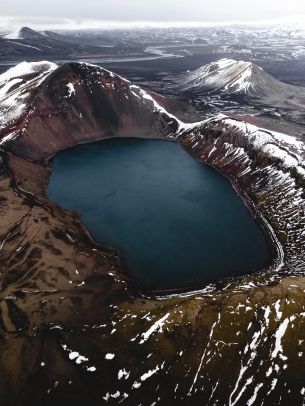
7 86
280 332
267 314
115 395
252 400
71 89
13 35
287 148
157 326
24 45
78 358
123 374
203 355
74 355
136 385
226 74
26 68
149 374
277 152
16 89
277 307
141 94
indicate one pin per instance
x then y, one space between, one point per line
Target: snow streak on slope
27 68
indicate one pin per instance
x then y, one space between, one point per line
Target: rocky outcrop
73 329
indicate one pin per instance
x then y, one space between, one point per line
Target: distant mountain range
30 43
247 83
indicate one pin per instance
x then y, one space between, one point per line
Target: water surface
177 222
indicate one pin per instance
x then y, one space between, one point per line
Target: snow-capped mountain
24 33
246 82
230 76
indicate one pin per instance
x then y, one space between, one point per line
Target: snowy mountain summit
25 33
18 87
246 82
233 77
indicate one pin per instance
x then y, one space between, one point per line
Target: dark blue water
177 222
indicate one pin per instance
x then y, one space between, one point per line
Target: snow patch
71 89
156 327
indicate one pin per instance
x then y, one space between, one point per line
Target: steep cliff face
267 167
67 312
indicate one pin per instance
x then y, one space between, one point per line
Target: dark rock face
73 332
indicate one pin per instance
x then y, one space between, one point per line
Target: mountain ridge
26 42
24 33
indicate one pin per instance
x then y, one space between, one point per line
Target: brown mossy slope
48 264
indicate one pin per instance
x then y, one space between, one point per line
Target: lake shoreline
131 142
